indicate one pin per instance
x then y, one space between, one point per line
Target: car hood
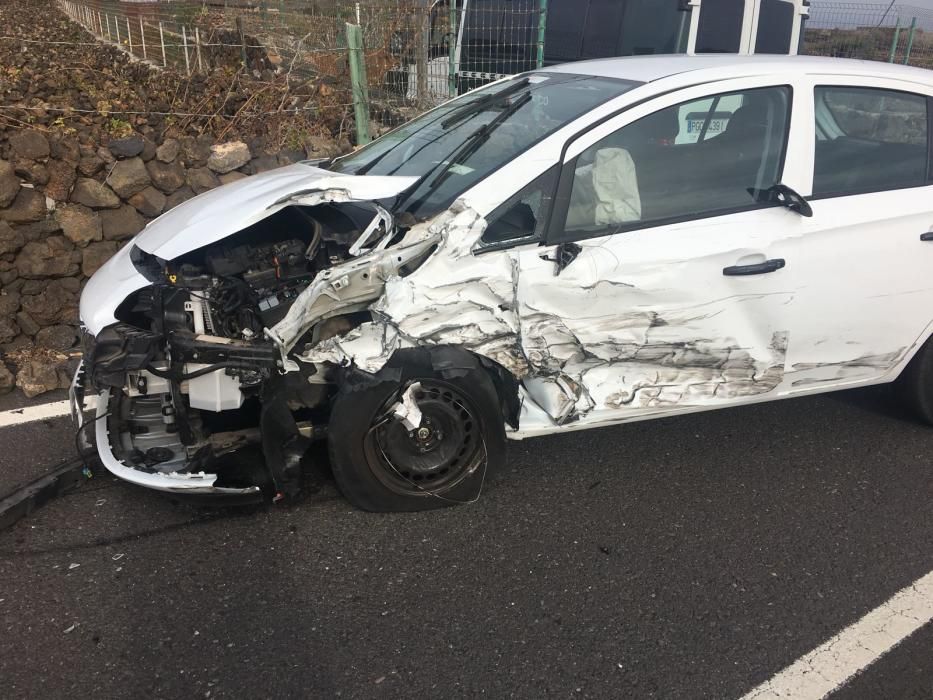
217 214
222 212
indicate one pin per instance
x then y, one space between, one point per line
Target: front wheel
382 464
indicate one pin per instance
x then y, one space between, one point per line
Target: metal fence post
239 28
184 41
910 40
358 83
197 47
100 25
422 49
452 51
162 41
142 35
116 25
542 30
895 40
129 34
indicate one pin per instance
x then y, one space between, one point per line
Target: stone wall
94 144
67 205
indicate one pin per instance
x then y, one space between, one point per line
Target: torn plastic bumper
76 393
174 482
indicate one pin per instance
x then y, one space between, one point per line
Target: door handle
926 236
756 269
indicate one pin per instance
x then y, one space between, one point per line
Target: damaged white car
579 246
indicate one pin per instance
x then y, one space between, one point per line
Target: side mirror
785 196
565 254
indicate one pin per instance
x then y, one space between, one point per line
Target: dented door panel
646 320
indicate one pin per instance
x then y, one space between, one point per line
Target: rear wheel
915 385
382 464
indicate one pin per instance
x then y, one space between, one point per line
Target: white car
581 246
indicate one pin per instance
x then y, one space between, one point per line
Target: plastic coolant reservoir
215 391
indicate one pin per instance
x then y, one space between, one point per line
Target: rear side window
869 140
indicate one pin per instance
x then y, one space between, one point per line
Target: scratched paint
575 357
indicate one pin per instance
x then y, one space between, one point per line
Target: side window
868 140
691 160
524 216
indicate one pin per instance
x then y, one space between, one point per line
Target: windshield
453 147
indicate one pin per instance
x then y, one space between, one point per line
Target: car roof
646 69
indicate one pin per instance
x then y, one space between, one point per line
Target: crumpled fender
453 298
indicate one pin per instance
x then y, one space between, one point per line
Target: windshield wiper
475 140
462 114
476 106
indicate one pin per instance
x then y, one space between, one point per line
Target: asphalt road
692 557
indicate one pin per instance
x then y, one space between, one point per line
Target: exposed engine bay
196 381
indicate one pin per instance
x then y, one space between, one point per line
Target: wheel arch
450 361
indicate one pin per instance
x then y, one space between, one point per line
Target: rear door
667 284
866 261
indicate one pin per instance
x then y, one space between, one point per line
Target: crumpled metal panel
453 298
576 351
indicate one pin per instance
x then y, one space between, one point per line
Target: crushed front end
197 391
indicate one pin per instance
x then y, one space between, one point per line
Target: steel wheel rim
447 448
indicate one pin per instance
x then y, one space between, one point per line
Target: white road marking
28 414
830 665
